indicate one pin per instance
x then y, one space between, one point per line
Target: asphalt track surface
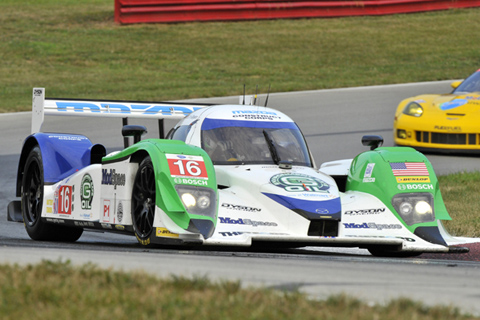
333 122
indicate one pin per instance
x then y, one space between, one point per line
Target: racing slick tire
143 202
32 203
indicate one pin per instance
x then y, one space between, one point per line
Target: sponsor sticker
186 166
119 212
106 210
372 225
417 186
112 178
230 234
255 115
448 128
63 200
453 104
413 179
362 212
239 207
369 170
247 222
50 206
297 182
86 192
193 182
164 232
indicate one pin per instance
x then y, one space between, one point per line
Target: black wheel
382 252
143 202
32 202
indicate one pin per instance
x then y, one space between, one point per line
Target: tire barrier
170 11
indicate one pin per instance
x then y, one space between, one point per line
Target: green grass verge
461 194
74 49
59 291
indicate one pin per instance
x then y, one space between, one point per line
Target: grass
461 194
57 290
74 49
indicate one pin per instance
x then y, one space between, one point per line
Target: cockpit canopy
230 142
230 139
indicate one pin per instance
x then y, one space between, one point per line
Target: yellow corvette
442 122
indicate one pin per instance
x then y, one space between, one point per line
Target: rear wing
42 106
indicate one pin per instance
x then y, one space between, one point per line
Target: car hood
302 190
452 103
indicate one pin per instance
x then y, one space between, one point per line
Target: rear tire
32 204
143 202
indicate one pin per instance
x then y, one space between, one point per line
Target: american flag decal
409 169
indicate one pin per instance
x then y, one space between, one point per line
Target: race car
446 123
225 175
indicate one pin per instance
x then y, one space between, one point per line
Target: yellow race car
441 122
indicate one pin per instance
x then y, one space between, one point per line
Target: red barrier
151 11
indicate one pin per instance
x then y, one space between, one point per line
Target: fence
167 11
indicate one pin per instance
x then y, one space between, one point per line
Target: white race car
226 175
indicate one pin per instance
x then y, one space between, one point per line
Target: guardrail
168 11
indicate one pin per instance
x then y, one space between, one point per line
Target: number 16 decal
65 200
187 166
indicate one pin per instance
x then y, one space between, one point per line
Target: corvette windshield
231 142
471 84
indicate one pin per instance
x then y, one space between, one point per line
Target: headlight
198 200
414 207
413 109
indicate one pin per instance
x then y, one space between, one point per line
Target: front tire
143 202
32 204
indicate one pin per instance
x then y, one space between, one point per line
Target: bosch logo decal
195 182
418 186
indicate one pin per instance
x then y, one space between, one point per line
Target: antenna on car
243 94
268 94
255 98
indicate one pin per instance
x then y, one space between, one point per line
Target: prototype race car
226 175
441 122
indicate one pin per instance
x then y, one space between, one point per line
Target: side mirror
135 131
455 84
372 141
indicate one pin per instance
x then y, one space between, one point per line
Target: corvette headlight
198 200
414 207
413 109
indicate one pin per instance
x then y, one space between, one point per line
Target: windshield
231 142
471 84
